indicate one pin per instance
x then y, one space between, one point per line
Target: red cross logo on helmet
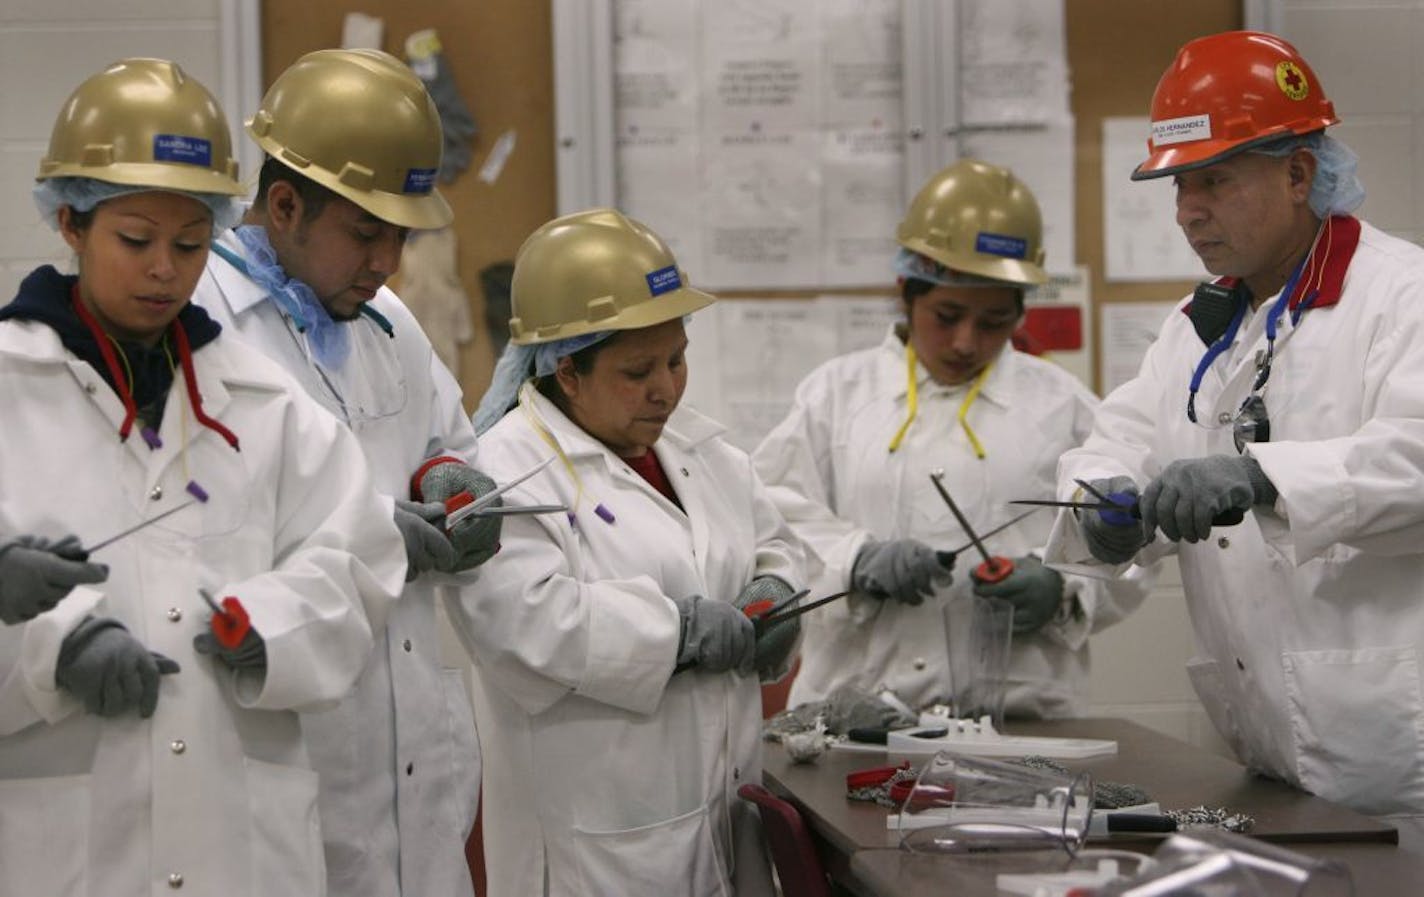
1291 80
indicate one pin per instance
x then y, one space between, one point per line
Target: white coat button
685 473
175 880
1224 418
1240 666
177 746
174 615
736 773
155 493
90 388
406 644
920 663
1223 542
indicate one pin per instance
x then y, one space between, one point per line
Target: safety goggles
1251 424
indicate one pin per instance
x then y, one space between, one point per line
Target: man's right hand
422 526
36 574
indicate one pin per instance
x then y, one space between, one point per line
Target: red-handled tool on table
994 568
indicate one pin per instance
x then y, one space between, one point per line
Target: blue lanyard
240 264
1273 316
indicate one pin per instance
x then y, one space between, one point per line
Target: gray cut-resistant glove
250 653
905 570
35 575
714 635
108 669
1185 498
773 643
426 548
1117 538
1034 590
476 539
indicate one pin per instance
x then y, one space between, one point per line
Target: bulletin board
1117 49
501 54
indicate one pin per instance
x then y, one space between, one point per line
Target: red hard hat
1226 93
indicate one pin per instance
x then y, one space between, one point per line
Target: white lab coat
398 758
215 788
604 773
1309 616
829 470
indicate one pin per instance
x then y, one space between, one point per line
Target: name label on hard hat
419 180
186 150
1001 244
664 280
1181 130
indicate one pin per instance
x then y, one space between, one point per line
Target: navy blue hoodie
45 296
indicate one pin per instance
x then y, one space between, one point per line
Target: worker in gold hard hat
945 391
352 143
614 665
1273 434
149 738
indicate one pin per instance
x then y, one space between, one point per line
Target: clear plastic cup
1197 864
962 804
979 632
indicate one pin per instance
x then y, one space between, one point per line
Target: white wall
1366 54
48 47
1139 668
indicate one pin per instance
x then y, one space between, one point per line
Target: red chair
792 853
773 696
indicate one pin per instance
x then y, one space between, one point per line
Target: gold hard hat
595 270
144 123
360 123
979 219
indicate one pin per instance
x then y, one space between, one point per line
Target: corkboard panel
1117 49
501 53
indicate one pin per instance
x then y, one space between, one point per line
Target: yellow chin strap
912 401
526 406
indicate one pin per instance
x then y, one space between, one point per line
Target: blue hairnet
912 265
329 341
517 364
83 194
1336 190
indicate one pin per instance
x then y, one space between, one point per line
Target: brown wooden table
1378 870
853 838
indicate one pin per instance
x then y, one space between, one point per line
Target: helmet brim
155 175
1174 160
675 304
1013 272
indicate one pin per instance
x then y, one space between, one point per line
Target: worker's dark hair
314 196
81 220
912 288
583 363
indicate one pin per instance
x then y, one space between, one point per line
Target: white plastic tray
980 738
